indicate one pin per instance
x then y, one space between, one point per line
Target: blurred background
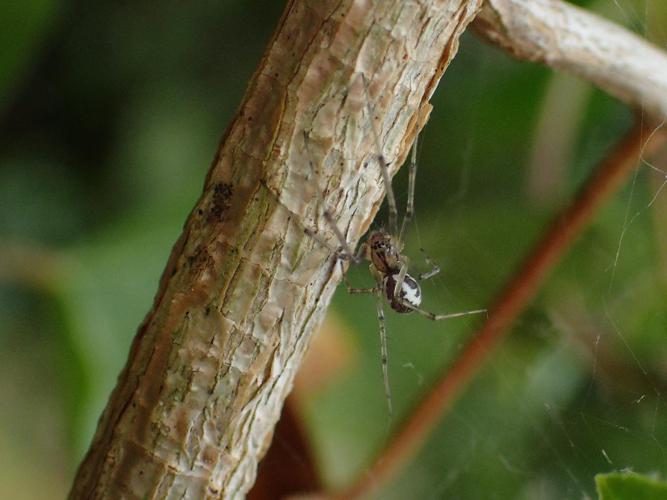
110 114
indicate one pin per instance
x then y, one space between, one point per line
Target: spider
383 250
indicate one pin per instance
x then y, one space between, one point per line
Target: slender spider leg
339 251
384 353
412 176
355 290
438 317
358 291
401 277
435 268
347 253
384 167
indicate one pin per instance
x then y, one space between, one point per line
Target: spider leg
384 354
384 167
359 291
401 277
412 175
355 290
344 251
339 251
438 317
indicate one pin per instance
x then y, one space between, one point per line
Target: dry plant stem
195 406
568 38
289 465
509 304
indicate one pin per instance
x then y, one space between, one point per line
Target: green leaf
630 486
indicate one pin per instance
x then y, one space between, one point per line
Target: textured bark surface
194 408
568 38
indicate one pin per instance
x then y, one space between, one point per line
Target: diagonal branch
571 39
194 408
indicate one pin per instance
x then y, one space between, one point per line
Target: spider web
578 387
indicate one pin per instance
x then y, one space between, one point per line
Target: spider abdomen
409 295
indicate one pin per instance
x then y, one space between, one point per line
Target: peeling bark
194 408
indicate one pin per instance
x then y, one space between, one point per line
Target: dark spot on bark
207 311
222 189
220 203
216 213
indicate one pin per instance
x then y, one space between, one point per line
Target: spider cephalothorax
384 253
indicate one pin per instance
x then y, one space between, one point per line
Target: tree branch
578 42
194 408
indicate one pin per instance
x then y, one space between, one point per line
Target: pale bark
568 38
244 288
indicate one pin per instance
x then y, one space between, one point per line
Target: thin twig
509 304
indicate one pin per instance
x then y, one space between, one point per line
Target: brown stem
516 295
289 466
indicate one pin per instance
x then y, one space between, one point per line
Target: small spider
388 266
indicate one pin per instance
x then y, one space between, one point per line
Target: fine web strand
628 219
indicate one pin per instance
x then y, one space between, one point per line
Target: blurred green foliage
630 486
110 115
